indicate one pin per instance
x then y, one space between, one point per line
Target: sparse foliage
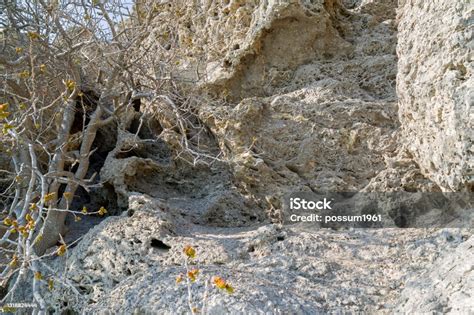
54 55
197 303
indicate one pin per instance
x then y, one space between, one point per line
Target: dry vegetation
68 69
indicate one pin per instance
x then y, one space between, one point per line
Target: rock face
128 264
308 102
446 287
320 119
434 86
282 35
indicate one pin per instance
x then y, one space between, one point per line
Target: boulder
435 89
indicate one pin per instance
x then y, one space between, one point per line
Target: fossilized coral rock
331 118
303 141
310 105
281 36
434 85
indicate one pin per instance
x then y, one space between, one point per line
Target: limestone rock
202 193
446 287
130 263
380 9
281 36
434 85
307 102
330 120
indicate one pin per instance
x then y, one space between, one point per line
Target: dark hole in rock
227 63
110 195
130 212
156 243
401 216
137 241
401 221
137 104
134 125
84 289
145 128
280 238
410 189
251 249
105 141
450 238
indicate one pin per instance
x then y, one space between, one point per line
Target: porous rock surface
129 263
310 105
434 86
427 293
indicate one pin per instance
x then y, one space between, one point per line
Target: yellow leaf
19 50
38 238
4 115
33 35
33 207
68 195
102 211
77 219
50 284
24 74
14 261
49 197
219 282
61 250
6 127
189 251
31 225
42 68
229 289
192 275
7 221
179 278
223 285
70 84
84 210
38 275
